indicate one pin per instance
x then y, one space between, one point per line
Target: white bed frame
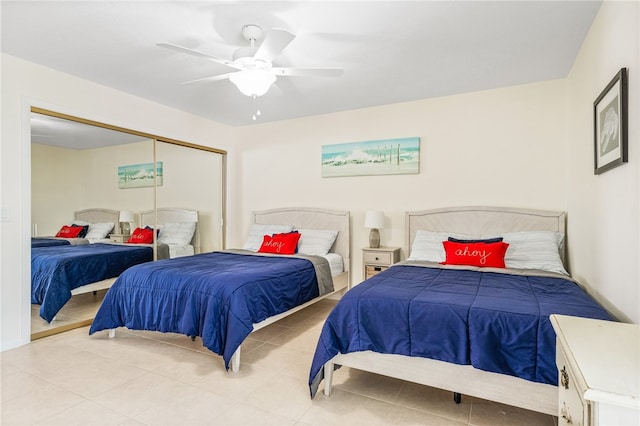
308 218
464 379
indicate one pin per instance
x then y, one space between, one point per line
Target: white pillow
427 245
97 231
178 233
534 250
316 241
258 231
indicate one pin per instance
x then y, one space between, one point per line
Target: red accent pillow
141 236
280 243
475 254
69 231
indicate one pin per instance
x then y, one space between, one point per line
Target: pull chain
256 108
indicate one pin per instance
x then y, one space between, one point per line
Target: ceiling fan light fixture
253 82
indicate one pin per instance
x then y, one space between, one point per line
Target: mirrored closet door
193 179
78 165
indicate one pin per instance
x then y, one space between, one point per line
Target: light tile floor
147 378
77 312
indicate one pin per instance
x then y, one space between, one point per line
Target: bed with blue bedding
495 321
467 328
218 296
57 270
223 296
48 242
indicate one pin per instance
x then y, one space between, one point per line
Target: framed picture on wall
610 124
373 157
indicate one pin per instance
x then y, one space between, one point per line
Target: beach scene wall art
376 157
139 175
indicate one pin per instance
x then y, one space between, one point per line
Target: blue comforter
57 270
48 242
494 321
217 296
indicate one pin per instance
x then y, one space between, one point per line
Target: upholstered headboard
172 215
98 216
312 218
484 221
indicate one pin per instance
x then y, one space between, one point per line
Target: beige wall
604 210
66 180
499 147
54 168
524 146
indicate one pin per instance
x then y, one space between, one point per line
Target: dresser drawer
572 408
375 258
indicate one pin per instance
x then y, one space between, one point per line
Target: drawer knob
564 378
377 258
564 414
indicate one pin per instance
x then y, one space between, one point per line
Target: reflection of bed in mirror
178 230
96 215
223 296
99 221
59 272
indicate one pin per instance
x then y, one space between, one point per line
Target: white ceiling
391 51
47 130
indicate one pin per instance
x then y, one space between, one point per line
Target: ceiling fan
255 72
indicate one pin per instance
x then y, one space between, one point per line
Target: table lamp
126 217
375 221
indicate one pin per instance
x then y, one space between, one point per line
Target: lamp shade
126 216
374 219
253 82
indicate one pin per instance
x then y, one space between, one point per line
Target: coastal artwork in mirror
139 175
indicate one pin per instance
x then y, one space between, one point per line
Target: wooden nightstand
375 260
118 238
599 371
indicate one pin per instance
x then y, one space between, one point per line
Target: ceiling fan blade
303 72
207 79
199 54
274 43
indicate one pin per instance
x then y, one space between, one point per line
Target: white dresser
599 371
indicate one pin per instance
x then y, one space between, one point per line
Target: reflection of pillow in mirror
179 233
98 230
141 236
259 230
69 232
83 232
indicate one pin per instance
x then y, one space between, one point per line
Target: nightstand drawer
376 260
118 238
381 258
